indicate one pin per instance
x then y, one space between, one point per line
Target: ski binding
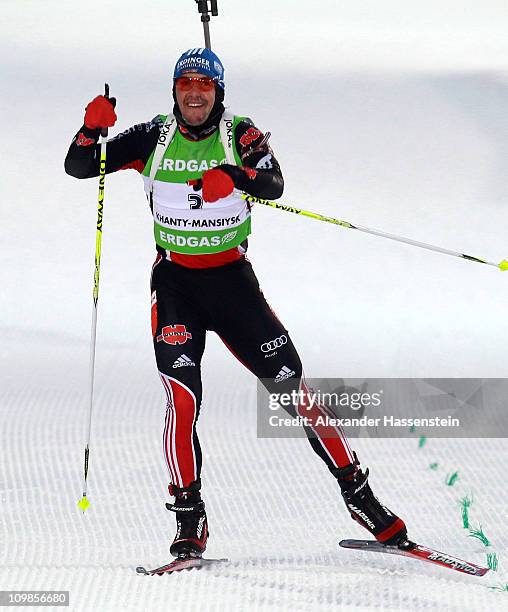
183 562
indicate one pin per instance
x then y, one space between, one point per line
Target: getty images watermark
383 407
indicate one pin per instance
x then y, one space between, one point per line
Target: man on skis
194 163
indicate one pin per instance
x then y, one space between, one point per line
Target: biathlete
194 162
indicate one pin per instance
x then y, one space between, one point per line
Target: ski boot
366 509
191 524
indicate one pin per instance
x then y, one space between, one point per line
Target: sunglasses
186 83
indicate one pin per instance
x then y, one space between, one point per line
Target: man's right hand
100 113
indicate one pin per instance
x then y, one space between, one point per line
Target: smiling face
194 102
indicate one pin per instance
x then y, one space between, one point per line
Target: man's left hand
215 183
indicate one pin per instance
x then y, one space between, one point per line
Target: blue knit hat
200 60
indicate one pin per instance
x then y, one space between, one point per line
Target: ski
417 551
179 564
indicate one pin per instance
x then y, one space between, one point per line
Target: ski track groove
274 510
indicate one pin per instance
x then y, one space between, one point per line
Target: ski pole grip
104 131
204 9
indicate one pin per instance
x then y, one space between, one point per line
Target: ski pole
83 502
205 17
503 265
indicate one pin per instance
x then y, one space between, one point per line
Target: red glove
215 183
100 113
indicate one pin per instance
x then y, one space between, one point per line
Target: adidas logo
183 361
284 373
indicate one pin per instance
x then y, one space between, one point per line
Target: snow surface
403 107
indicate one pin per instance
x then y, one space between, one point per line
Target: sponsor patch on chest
189 165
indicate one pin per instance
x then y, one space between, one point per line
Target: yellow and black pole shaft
502 265
83 502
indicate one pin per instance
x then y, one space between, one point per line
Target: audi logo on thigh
274 344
